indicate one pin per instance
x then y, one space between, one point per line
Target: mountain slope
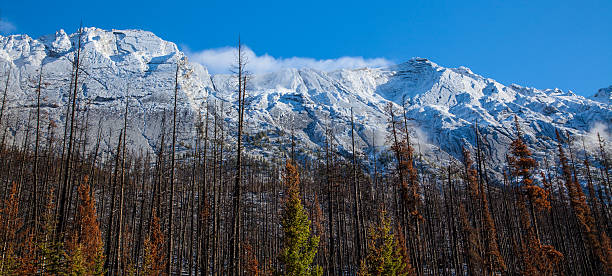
442 104
604 95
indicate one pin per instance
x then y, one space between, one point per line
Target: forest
70 206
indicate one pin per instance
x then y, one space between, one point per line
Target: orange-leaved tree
537 259
87 234
155 257
10 222
598 242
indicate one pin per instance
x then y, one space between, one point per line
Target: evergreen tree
299 246
582 211
9 223
252 264
76 260
471 244
155 260
53 257
27 261
88 237
408 269
384 253
523 165
492 255
537 258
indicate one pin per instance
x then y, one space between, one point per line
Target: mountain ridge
442 104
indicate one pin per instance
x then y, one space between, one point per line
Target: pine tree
9 224
89 237
155 260
401 240
76 260
582 211
299 246
524 165
407 208
252 265
471 244
494 260
53 257
384 253
27 261
537 259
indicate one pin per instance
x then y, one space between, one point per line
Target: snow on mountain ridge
115 64
604 95
442 104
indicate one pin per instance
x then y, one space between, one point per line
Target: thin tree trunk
171 200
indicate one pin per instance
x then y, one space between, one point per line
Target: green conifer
299 246
384 255
53 256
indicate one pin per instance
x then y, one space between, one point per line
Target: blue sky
544 44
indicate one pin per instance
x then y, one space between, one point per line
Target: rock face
442 104
115 64
604 95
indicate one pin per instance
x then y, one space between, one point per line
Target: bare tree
236 196
172 167
65 187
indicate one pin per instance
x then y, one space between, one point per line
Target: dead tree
172 167
356 205
8 78
236 196
65 187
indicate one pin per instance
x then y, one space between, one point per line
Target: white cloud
220 61
6 27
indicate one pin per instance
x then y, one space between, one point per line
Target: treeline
72 206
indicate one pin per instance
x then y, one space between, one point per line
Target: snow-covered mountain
442 104
604 95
